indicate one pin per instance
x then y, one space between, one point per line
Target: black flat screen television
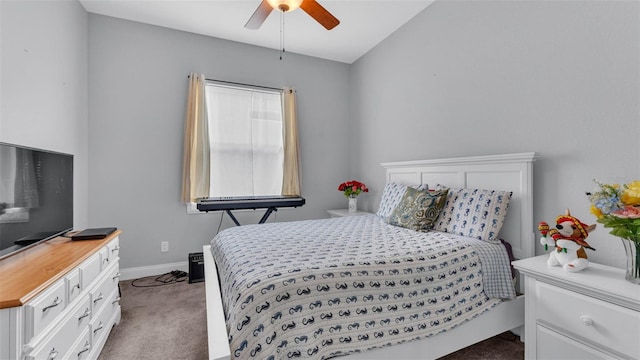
36 196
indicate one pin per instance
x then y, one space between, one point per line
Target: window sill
192 209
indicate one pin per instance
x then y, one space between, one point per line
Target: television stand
59 298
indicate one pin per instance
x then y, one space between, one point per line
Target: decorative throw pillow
391 196
474 213
418 209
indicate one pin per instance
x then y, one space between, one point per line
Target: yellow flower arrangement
618 208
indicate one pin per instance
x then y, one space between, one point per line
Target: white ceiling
363 23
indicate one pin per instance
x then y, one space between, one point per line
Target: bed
361 287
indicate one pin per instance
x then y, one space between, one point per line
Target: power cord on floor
169 278
220 224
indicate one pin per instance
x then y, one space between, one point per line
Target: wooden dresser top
27 273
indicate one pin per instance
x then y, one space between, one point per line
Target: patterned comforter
324 288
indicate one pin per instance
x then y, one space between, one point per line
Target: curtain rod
242 84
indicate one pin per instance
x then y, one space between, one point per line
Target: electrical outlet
164 246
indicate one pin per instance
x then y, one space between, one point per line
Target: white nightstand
345 212
591 314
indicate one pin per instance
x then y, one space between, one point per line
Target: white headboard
509 172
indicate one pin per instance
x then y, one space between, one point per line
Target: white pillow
474 213
391 196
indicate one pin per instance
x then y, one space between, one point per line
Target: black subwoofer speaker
196 267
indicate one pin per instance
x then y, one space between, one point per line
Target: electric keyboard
245 202
228 203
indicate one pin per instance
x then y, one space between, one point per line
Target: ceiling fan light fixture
285 5
311 7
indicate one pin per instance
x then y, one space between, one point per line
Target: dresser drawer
104 258
62 340
89 270
44 309
610 327
108 283
552 345
73 284
81 349
109 253
114 248
104 319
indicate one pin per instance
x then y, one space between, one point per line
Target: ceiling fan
311 7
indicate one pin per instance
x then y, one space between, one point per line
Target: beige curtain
292 177
195 173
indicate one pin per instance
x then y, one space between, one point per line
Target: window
245 139
239 140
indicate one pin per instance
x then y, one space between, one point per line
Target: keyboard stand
232 217
266 214
262 220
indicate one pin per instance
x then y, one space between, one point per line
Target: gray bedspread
324 288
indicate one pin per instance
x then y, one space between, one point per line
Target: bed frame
511 172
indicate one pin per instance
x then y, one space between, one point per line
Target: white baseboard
144 271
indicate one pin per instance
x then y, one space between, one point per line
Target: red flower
352 188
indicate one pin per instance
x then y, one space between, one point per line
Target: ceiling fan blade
259 16
319 13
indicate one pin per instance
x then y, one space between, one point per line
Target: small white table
590 314
345 212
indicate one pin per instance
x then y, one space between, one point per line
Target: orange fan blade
319 13
259 16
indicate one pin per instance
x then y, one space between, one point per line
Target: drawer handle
117 300
115 248
586 320
100 326
106 260
87 312
52 354
87 347
116 276
57 301
76 286
100 297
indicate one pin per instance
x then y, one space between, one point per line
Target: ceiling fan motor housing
311 7
285 5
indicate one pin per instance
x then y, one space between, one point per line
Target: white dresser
60 299
591 314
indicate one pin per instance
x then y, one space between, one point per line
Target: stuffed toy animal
568 241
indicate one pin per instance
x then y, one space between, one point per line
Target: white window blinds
246 140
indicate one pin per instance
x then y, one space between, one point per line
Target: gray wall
462 78
476 78
43 80
138 90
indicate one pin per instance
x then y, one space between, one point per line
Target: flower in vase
352 188
618 208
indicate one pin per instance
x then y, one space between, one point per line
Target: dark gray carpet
169 322
505 346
